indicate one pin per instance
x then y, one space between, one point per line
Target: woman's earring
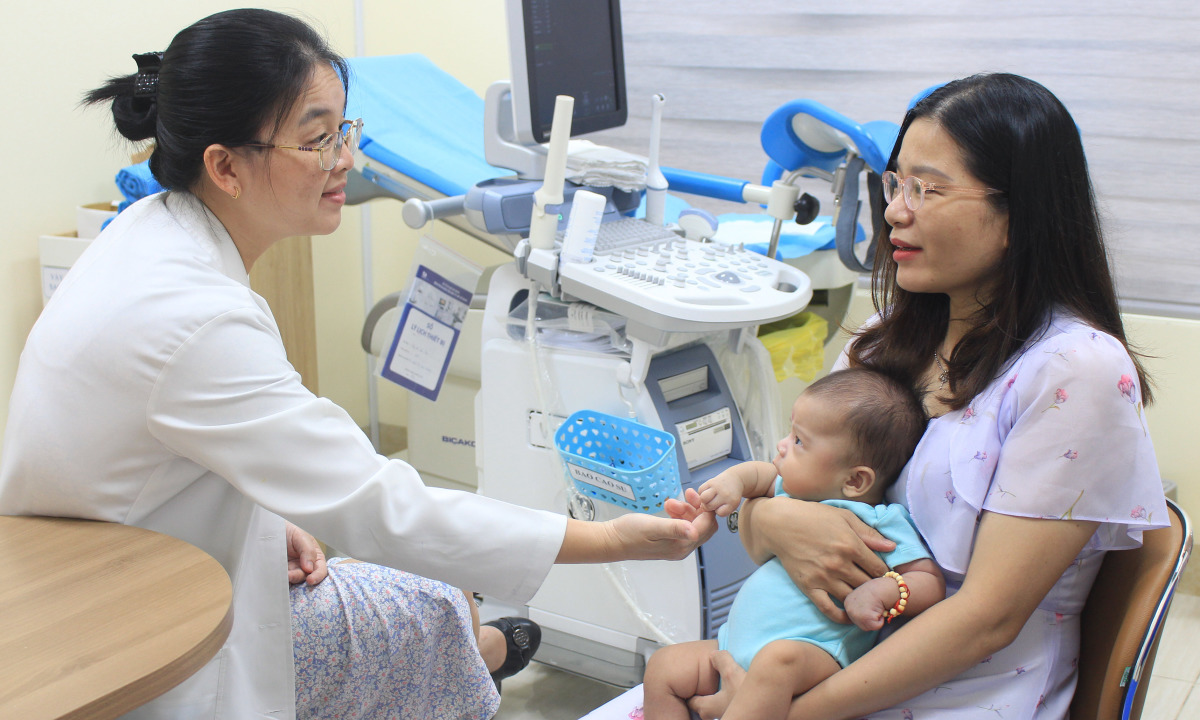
237 193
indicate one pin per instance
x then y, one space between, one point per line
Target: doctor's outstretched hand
637 536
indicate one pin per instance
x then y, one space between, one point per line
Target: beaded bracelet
898 609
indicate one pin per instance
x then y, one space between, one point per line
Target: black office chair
1123 619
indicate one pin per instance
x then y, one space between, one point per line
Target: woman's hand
306 561
712 707
826 551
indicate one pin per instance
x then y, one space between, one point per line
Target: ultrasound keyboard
651 275
619 234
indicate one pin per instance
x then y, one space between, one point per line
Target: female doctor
154 389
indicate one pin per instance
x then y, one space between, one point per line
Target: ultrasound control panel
651 275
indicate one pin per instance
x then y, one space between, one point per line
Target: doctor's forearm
587 542
633 536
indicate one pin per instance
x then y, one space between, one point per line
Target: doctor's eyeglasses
329 147
914 189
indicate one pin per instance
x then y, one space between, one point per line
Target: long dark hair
1016 136
222 80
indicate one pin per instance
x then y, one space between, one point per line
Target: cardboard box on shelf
58 253
90 218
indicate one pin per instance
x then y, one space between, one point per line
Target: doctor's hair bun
229 79
136 118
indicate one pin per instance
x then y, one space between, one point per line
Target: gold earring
237 192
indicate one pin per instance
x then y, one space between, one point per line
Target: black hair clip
146 82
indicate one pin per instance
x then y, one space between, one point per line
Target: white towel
599 166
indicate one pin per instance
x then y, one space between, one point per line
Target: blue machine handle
833 137
713 186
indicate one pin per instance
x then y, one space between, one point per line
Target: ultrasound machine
613 323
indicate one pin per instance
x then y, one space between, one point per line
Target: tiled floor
544 693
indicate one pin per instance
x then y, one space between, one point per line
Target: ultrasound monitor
566 47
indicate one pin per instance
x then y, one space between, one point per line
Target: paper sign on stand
432 318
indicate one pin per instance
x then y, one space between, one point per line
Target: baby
852 433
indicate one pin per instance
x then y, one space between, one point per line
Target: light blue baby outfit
770 607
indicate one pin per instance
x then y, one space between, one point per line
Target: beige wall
59 156
1174 349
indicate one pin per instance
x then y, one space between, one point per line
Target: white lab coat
154 391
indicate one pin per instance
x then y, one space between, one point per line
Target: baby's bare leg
779 672
674 675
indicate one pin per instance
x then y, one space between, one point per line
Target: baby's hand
869 603
721 494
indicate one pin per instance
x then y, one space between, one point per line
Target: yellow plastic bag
796 344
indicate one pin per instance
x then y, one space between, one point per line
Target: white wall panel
1130 74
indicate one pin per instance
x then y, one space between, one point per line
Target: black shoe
522 637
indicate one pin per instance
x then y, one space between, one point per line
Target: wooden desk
99 618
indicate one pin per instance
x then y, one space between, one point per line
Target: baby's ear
859 482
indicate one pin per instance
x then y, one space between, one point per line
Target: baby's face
812 459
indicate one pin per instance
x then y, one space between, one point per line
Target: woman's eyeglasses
914 189
329 147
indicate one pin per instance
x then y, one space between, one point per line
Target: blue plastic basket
619 461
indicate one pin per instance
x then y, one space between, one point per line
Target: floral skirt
374 643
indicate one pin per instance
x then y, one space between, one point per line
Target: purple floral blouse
1061 434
